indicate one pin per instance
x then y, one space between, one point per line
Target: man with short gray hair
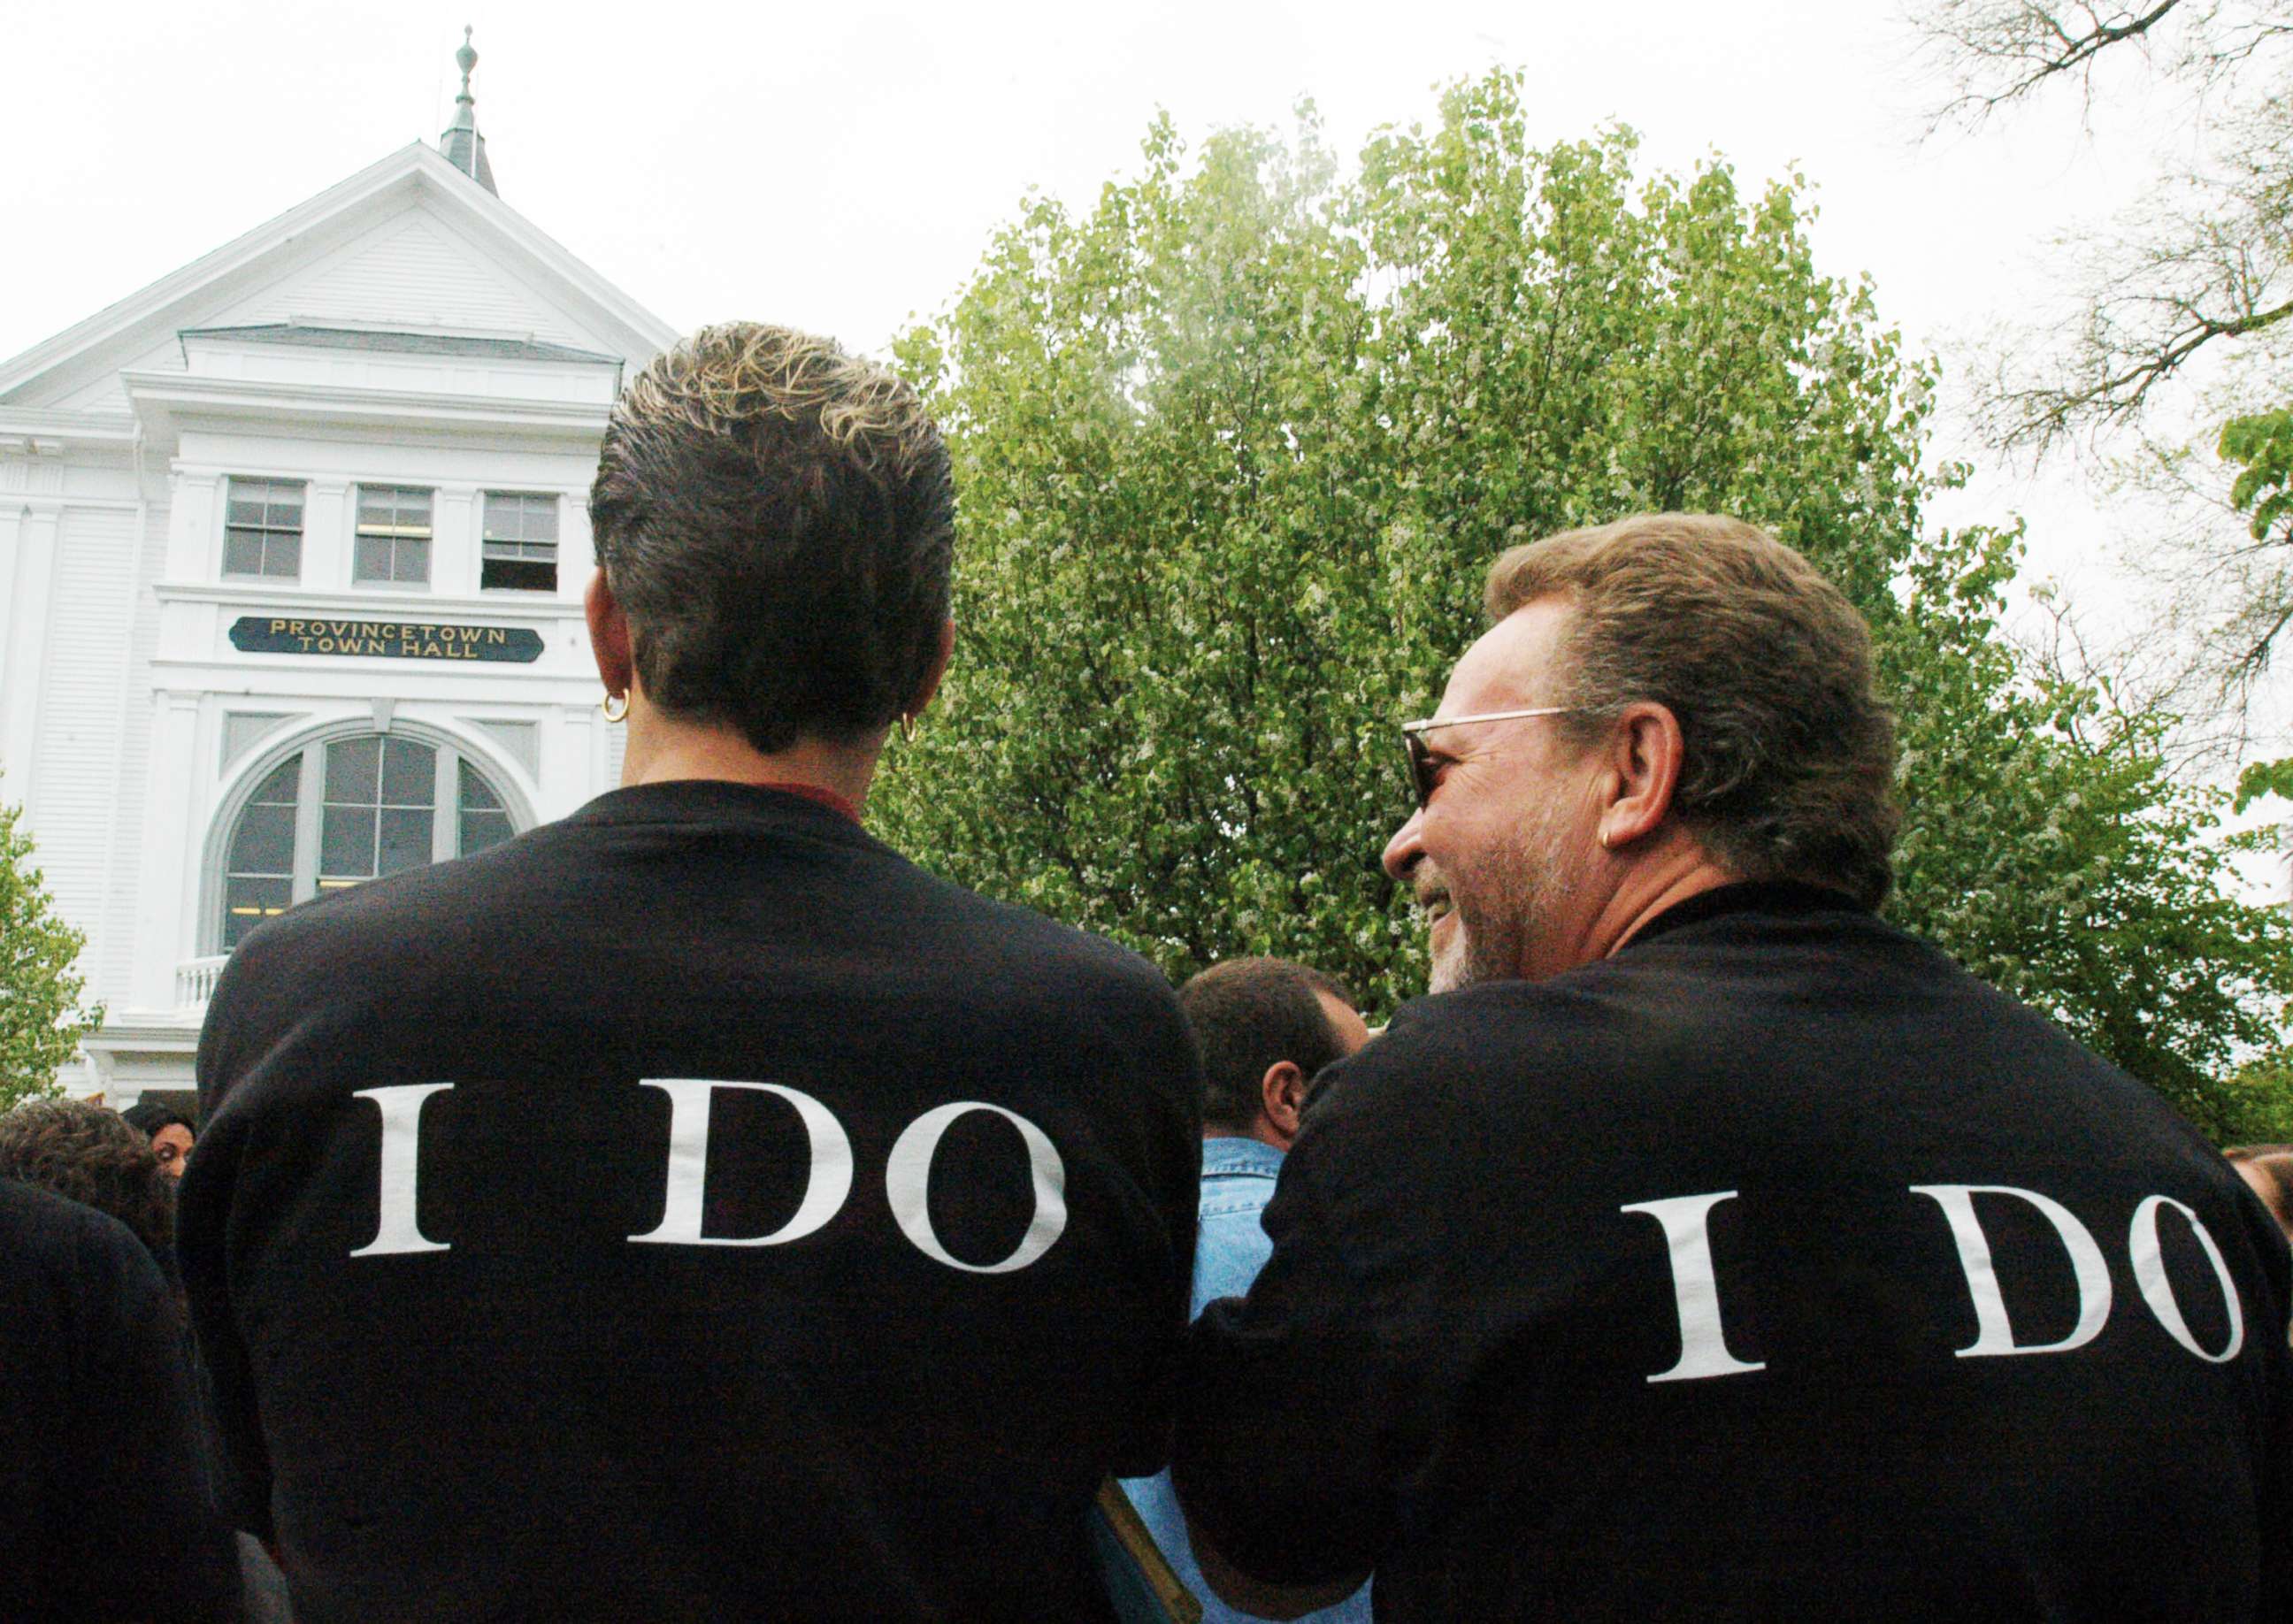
1707 1246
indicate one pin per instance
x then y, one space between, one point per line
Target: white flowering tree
1234 448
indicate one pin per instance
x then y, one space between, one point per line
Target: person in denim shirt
1266 1026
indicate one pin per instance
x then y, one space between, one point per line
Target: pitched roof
211 285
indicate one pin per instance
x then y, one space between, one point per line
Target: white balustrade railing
195 980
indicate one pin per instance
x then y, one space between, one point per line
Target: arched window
334 815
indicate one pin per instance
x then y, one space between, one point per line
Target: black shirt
527 1372
1684 1285
104 1507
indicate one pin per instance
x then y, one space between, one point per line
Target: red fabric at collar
828 798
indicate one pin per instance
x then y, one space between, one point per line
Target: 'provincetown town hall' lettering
383 639
292 549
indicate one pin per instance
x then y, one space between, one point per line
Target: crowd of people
694 1209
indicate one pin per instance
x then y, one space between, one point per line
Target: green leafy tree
2257 451
2052 848
2260 449
41 1021
2256 1103
1235 445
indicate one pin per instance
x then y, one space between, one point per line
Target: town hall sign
390 639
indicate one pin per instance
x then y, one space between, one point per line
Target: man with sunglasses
1707 1246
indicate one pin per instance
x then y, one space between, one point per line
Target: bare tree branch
1992 55
2162 322
2224 601
1994 52
2206 261
2115 380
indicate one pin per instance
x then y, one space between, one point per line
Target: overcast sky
840 167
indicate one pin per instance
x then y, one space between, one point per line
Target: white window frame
448 756
486 539
224 572
391 534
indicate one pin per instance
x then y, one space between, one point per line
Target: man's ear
1281 1095
929 686
1646 752
608 636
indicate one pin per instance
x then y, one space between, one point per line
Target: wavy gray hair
1790 755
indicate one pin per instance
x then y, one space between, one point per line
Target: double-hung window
521 543
262 528
393 545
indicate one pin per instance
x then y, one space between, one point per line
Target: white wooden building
292 544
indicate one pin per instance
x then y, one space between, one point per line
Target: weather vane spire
468 57
462 145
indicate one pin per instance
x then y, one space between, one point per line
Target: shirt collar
819 795
1236 1153
678 800
1746 897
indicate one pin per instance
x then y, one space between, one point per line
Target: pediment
412 269
410 242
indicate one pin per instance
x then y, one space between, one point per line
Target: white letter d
1994 1334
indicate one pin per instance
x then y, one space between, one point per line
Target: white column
329 516
174 837
454 542
194 524
32 608
104 1083
577 546
572 760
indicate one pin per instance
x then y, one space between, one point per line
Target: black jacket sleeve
203 1217
1169 1127
1292 1406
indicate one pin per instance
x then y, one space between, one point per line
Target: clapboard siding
76 755
131 769
412 269
108 394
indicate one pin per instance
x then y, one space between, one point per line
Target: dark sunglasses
1420 760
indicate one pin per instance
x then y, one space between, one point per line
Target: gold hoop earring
606 705
907 729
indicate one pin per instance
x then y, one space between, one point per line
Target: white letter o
907 1181
2158 1291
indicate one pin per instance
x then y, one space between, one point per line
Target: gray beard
1491 940
1479 957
